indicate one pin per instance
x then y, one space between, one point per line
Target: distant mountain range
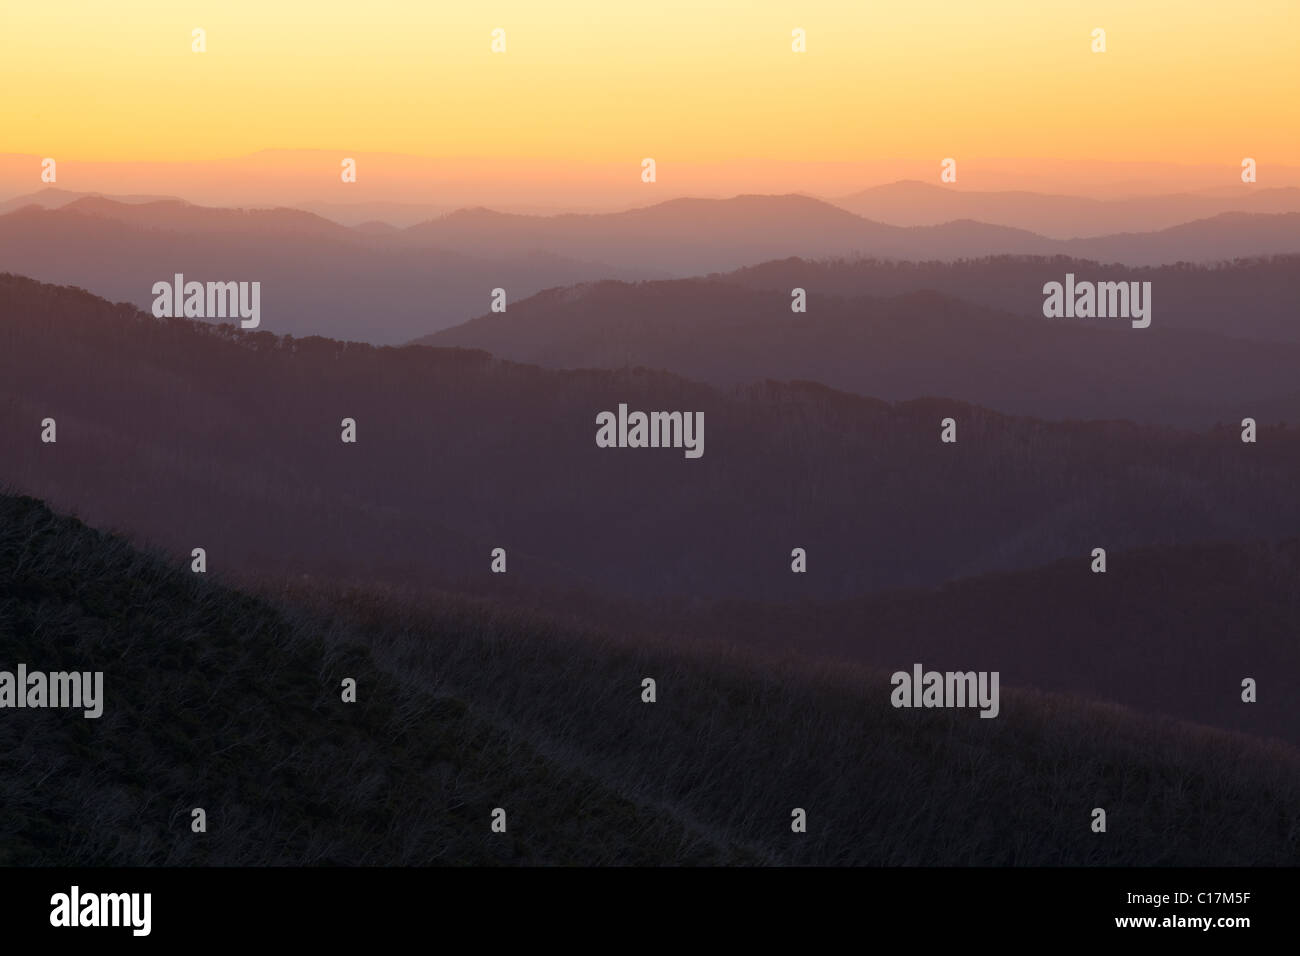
52 197
915 203
903 203
1251 298
306 178
694 236
387 285
318 277
737 328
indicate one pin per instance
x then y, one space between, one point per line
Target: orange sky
713 91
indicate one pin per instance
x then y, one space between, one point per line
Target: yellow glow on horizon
1199 81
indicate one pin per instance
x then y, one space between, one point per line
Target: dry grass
229 701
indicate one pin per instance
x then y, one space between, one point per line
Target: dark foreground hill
220 701
229 702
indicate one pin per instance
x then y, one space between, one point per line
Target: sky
594 82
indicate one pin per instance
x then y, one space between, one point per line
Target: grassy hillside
231 702
220 701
